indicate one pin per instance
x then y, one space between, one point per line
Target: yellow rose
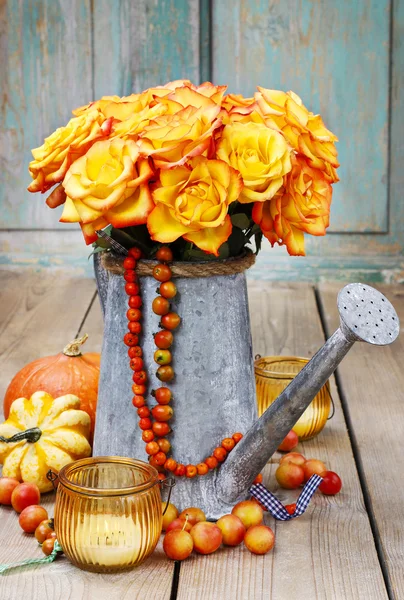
260 154
172 139
109 185
302 206
192 201
304 131
64 146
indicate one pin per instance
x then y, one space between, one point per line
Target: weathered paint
57 56
149 41
45 71
335 55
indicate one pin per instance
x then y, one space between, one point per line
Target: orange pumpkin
69 372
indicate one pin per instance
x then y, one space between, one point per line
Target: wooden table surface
345 547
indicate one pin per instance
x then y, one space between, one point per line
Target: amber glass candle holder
108 513
273 374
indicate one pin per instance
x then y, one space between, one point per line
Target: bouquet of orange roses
192 167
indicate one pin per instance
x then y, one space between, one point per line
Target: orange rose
236 101
172 139
97 104
192 201
186 93
108 185
303 205
304 131
64 146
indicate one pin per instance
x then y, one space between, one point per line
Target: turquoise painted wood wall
345 59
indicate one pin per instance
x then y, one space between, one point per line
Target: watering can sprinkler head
365 316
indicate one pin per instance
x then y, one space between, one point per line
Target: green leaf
236 241
101 243
97 250
252 231
240 220
224 251
258 241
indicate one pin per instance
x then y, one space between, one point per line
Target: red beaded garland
154 422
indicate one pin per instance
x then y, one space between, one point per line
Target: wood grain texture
149 43
335 55
45 72
328 553
36 318
39 316
372 384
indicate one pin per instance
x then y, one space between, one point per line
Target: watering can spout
367 316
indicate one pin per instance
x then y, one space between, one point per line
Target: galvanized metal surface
214 391
368 314
214 388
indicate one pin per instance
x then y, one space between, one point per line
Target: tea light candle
109 540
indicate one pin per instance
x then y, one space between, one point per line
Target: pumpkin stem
74 348
31 435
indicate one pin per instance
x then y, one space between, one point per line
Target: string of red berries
154 422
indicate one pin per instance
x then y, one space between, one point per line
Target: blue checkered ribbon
276 508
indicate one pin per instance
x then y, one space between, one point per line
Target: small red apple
207 537
232 528
331 483
194 515
31 517
289 476
289 442
259 539
249 512
293 457
7 485
313 466
25 494
179 524
178 544
170 514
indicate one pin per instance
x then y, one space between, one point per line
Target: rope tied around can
230 266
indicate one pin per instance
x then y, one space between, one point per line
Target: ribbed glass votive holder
273 374
108 514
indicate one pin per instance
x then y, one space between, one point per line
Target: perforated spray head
368 314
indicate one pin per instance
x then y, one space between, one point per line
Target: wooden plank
274 264
45 72
93 325
149 43
396 120
61 580
335 55
36 319
372 382
39 316
66 253
58 250
327 553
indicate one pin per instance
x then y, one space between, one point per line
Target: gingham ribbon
276 508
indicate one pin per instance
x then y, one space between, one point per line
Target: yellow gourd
43 433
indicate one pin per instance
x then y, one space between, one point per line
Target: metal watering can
214 388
